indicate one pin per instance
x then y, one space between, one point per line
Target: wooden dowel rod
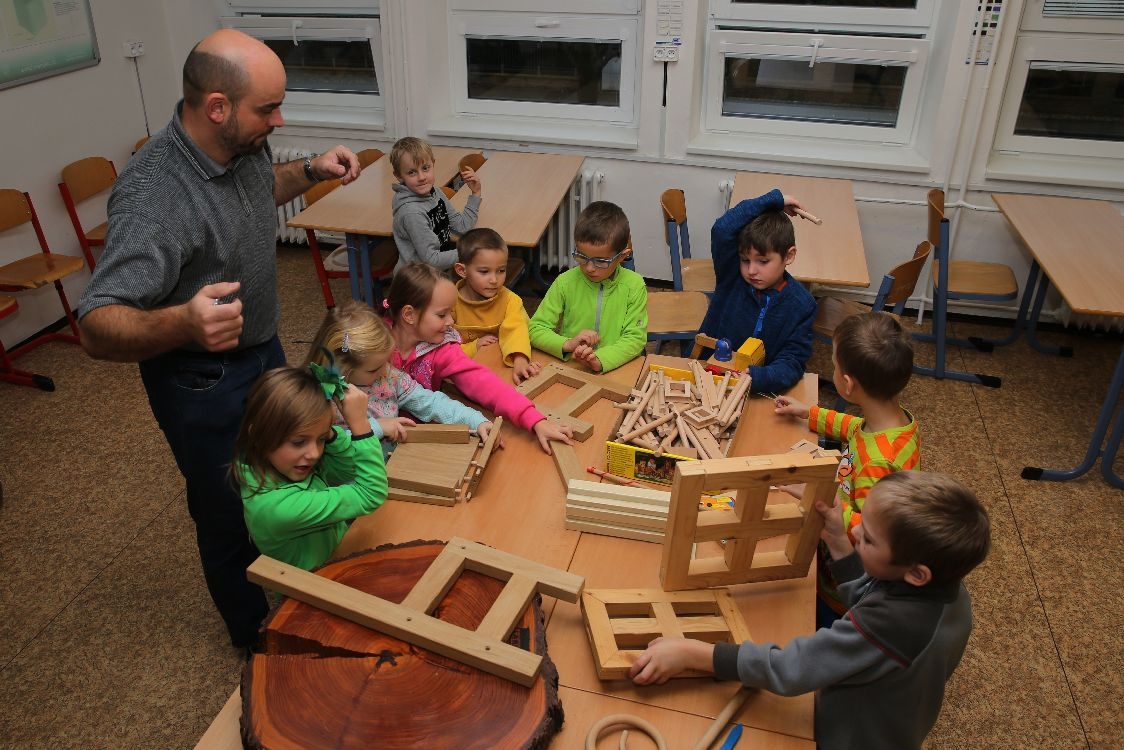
805 215
723 719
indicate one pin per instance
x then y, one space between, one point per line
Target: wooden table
1075 244
362 209
519 507
829 253
521 194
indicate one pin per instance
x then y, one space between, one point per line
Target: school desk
828 253
519 507
1075 244
362 209
522 193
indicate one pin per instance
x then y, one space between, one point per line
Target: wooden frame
590 388
485 648
621 622
751 519
443 467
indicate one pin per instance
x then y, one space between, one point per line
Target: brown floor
108 638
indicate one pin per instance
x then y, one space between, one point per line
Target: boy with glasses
597 312
752 244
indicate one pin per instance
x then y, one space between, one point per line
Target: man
187 285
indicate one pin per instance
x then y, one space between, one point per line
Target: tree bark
325 682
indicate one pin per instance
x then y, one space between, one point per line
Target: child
487 312
420 302
872 357
423 216
288 454
754 296
360 345
880 671
596 313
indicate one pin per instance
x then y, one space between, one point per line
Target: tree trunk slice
325 682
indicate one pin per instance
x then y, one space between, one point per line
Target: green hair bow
331 380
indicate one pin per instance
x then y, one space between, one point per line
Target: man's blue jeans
198 399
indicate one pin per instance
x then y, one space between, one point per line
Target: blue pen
732 738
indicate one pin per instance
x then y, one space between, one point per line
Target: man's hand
215 325
339 162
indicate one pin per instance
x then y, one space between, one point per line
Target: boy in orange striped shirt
873 358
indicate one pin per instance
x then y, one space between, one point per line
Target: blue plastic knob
723 352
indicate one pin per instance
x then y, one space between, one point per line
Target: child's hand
486 340
789 405
354 410
791 203
546 430
833 534
666 657
522 368
586 337
796 490
484 430
468 174
588 355
394 428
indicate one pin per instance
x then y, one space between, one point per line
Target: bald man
187 285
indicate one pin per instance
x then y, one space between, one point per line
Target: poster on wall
41 38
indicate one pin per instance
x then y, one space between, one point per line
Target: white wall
95 111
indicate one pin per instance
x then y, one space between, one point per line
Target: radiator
558 240
1080 320
288 210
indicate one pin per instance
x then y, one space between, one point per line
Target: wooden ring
622 721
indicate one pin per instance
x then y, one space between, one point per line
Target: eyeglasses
582 259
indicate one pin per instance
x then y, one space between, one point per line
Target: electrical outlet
133 49
665 53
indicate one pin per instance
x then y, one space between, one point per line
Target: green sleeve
633 330
545 320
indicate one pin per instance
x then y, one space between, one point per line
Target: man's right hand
216 325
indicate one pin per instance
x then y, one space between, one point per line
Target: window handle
547 23
816 44
296 25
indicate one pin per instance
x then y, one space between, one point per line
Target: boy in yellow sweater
487 312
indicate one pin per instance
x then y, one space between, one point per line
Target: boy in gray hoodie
879 672
424 219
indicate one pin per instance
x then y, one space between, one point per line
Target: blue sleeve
724 233
434 406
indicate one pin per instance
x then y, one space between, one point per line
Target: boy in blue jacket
752 244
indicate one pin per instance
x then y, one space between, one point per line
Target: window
834 81
333 68
568 67
1062 114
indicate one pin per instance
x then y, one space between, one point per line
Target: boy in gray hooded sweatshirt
423 217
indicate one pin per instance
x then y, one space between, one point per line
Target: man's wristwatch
308 169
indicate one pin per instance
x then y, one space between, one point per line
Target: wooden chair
32 272
383 256
472 161
515 264
688 274
963 280
672 316
138 144
82 180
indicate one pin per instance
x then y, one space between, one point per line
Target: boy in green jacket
597 312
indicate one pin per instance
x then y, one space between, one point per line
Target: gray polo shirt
179 221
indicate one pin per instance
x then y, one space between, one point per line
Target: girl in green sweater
302 479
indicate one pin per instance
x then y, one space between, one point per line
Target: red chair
82 180
27 273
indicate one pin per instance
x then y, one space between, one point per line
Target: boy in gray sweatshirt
424 219
879 672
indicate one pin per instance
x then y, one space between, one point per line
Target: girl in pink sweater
420 303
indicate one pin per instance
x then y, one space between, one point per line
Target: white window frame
767 45
326 109
343 8
1056 51
561 26
824 18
